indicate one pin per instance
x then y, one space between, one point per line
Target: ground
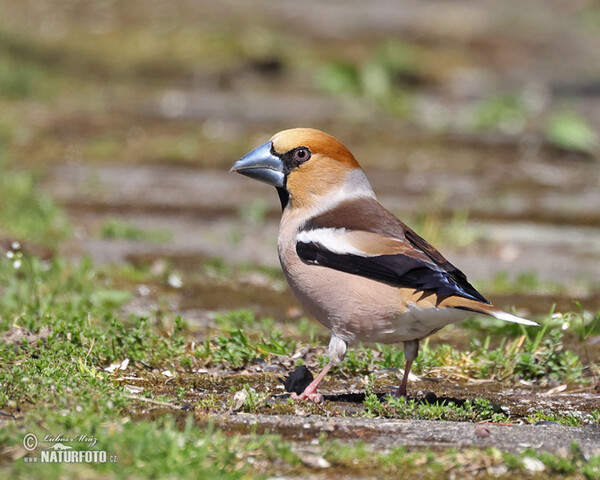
141 300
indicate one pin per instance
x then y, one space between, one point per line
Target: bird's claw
397 394
311 397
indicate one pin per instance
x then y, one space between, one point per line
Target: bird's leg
337 351
310 392
411 350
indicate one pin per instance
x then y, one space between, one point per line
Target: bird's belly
414 324
358 309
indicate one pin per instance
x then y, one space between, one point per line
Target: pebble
482 431
533 464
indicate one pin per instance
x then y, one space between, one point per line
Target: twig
89 351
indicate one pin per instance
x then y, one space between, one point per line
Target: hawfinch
353 265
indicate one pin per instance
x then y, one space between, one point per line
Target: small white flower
10 254
15 245
17 264
112 367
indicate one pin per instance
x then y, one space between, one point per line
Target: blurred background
476 121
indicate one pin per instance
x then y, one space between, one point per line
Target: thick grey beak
262 165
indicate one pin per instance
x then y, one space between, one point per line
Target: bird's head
308 167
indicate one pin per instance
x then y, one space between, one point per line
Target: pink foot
310 392
311 397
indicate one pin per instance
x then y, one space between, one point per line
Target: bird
352 264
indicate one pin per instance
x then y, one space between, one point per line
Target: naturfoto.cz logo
58 452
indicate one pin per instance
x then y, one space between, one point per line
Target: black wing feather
365 214
400 270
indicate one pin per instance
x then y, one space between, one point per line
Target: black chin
284 197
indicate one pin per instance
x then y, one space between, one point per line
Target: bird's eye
301 154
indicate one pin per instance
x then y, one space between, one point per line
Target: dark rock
546 422
430 397
298 380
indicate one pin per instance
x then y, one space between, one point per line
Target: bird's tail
484 308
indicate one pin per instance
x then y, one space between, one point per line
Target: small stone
298 380
316 462
430 397
546 422
174 280
325 426
482 431
239 399
498 470
312 459
563 452
158 267
553 391
533 465
143 290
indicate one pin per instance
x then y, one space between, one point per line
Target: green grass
244 319
75 314
568 419
26 212
165 447
467 411
160 448
569 130
236 350
59 329
79 308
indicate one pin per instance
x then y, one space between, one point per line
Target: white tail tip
512 318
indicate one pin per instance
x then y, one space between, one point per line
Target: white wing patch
331 239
